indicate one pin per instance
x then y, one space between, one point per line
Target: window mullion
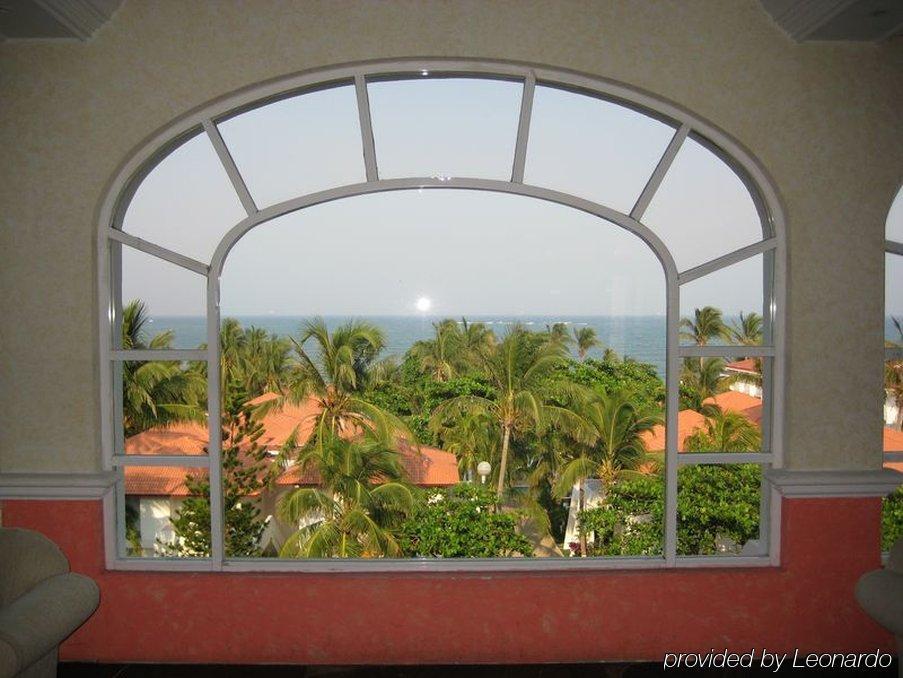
672 388
523 129
369 146
214 400
659 173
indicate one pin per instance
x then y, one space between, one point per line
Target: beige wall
825 120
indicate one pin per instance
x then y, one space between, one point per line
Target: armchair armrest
35 623
879 593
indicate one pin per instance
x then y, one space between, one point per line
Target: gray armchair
880 593
41 603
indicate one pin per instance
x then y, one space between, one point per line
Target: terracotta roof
734 401
159 480
747 366
893 440
428 467
688 421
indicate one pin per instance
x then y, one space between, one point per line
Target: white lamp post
484 468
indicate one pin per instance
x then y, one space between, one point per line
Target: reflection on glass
592 148
186 203
702 210
149 286
892 514
445 127
164 407
893 405
721 405
724 307
167 512
718 510
306 143
894 226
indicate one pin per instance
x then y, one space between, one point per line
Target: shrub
462 522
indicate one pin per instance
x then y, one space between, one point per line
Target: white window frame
111 239
891 352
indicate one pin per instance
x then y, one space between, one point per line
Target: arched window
892 513
570 169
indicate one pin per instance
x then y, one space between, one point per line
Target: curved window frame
111 238
892 352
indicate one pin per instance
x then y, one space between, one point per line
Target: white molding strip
829 484
55 485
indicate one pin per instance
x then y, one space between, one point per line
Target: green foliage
244 468
462 522
629 523
891 519
355 511
612 374
155 393
714 502
725 432
717 501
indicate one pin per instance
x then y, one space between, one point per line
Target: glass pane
894 227
724 307
442 307
164 407
592 148
702 210
186 203
721 405
164 305
445 127
167 512
893 406
892 515
719 510
893 295
300 145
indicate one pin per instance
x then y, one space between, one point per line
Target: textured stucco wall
824 120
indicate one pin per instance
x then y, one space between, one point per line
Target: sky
467 252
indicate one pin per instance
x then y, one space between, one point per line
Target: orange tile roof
430 468
158 481
734 401
688 421
747 365
893 440
426 467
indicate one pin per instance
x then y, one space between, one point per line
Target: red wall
807 603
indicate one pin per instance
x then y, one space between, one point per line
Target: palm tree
704 381
619 424
747 331
360 502
893 374
472 439
336 377
156 393
619 450
476 340
440 357
518 371
586 339
725 432
558 334
706 324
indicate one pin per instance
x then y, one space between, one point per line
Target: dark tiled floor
78 670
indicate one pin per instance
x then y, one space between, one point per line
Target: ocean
640 337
